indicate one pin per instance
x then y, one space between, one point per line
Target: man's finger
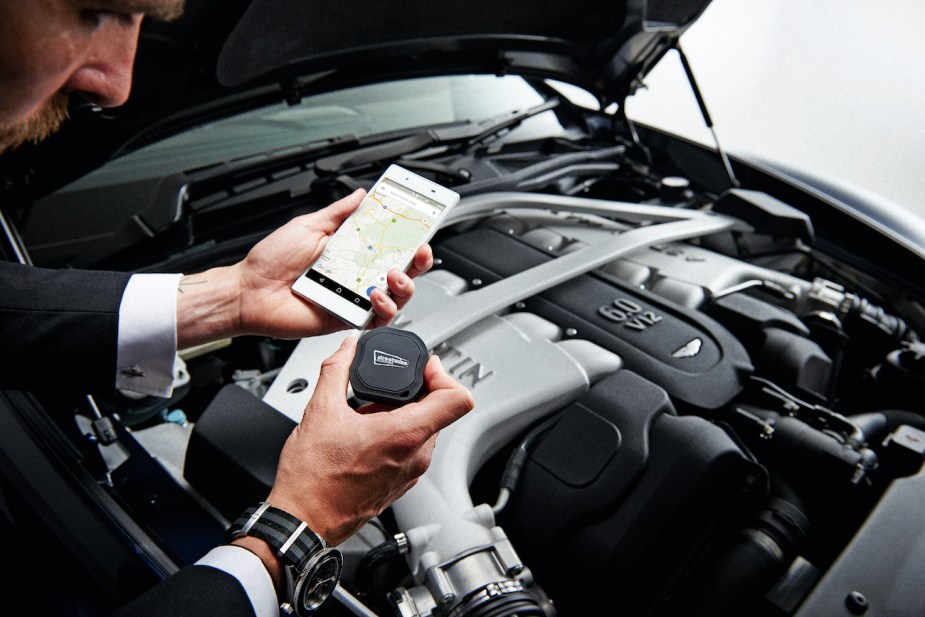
446 401
384 305
335 374
401 287
328 219
423 261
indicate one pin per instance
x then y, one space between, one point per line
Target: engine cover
695 359
630 491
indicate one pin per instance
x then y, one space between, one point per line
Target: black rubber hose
878 424
385 552
519 455
739 575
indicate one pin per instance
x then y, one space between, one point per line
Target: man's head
51 48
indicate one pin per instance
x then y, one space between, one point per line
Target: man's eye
95 18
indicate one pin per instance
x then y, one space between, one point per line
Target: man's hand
341 467
254 296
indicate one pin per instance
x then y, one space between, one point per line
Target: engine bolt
446 599
571 332
857 603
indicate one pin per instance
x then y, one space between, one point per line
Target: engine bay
683 406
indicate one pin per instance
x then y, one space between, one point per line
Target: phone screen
383 233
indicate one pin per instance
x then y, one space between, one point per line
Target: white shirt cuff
249 570
147 344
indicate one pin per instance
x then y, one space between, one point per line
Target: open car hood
225 56
599 44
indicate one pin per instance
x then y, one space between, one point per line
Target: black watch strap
290 537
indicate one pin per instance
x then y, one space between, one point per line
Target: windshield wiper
461 134
170 200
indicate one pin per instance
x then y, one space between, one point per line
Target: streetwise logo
380 358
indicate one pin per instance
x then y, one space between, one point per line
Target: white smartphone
401 212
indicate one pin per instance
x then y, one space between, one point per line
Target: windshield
360 111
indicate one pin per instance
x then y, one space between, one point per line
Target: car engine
682 405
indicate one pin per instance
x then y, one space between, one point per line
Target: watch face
317 580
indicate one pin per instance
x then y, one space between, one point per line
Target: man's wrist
208 306
315 522
271 562
303 567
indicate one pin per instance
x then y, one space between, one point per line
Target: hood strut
706 114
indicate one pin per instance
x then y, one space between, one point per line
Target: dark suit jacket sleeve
59 328
193 591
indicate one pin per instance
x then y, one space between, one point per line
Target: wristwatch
312 567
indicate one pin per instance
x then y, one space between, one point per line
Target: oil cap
389 366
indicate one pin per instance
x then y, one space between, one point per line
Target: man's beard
40 126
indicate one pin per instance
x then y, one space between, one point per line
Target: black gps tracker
388 366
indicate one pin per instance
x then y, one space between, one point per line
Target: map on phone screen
382 234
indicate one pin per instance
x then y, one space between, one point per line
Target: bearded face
41 125
51 49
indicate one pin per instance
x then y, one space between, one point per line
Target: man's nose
104 77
